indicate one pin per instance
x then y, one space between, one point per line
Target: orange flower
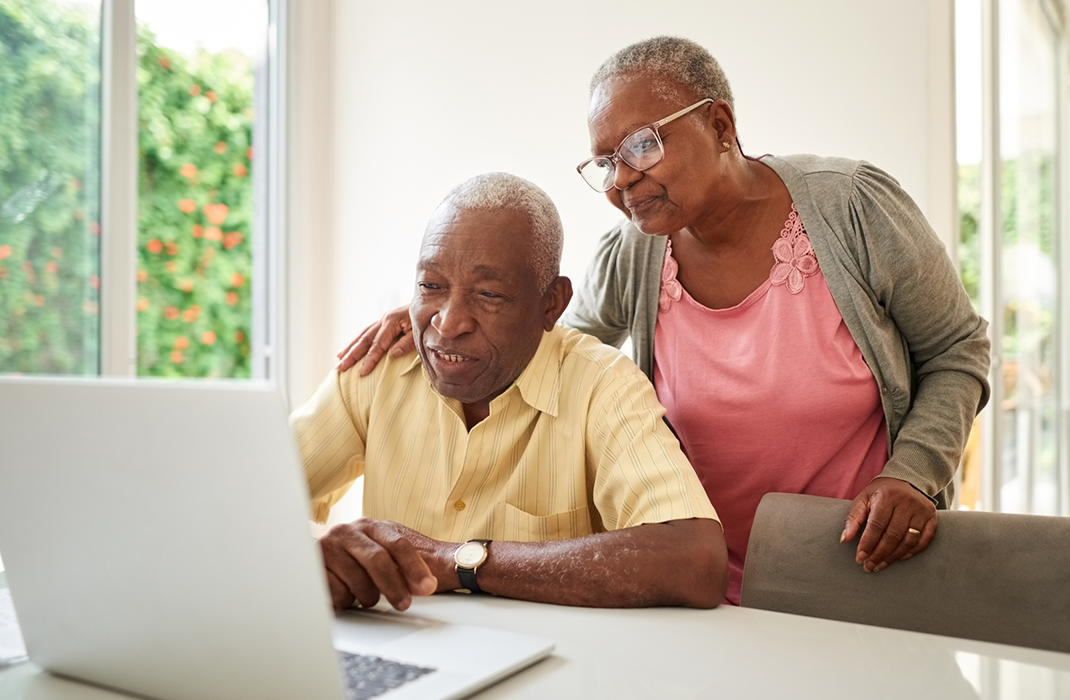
220 147
240 170
5 250
164 61
170 313
212 97
185 285
143 304
212 233
216 213
232 239
194 89
239 336
79 214
237 279
3 273
187 205
170 267
198 230
188 170
181 342
249 152
154 246
51 267
76 184
39 300
94 228
190 315
142 276
176 357
232 298
94 282
172 248
208 338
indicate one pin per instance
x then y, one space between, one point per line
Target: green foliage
194 200
195 212
49 160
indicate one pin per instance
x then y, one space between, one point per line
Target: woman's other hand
896 520
392 332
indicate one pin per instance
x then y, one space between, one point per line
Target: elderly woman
801 322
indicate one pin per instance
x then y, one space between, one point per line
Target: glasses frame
616 157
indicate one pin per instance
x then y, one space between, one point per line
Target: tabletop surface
727 652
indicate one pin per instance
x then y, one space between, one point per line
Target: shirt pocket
514 525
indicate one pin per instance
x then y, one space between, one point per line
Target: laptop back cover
155 538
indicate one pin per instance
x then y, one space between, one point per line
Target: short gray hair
498 191
673 62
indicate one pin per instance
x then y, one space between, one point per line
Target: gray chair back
994 577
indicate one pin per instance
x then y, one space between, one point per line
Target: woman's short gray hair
497 191
673 62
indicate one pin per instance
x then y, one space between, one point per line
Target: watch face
470 555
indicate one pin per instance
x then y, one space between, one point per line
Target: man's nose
454 318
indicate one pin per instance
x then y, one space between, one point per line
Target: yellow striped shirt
576 445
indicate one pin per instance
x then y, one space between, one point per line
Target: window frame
119 193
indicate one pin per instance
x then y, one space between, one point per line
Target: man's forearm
681 562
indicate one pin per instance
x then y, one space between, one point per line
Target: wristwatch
469 557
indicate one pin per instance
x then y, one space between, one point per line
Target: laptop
156 539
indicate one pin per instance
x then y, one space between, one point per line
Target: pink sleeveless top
769 395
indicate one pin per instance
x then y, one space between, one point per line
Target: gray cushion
995 577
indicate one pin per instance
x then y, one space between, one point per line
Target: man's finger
341 598
341 564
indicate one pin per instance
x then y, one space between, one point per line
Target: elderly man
509 456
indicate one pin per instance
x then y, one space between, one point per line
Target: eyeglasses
640 150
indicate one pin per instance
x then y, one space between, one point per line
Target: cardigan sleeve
599 306
915 284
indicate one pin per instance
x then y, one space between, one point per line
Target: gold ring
914 531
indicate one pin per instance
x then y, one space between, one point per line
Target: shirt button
459 505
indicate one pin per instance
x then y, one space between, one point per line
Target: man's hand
393 329
366 558
899 522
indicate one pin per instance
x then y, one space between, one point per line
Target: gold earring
726 145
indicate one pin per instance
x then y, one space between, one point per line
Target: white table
727 653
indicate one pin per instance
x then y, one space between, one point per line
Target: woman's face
678 191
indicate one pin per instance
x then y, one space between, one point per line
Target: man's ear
556 299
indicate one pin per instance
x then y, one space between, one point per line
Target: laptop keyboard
367 676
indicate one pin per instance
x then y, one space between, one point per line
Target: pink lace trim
670 288
795 258
795 261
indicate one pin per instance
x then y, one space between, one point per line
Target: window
1011 59
136 234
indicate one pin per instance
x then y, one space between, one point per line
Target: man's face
477 314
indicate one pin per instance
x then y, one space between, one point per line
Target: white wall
427 93
421 94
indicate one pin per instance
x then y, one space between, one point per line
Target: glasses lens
641 149
598 172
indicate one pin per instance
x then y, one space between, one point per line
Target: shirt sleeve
640 474
916 284
331 433
598 307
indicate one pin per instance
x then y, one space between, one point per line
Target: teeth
450 358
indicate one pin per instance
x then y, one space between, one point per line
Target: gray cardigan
890 277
